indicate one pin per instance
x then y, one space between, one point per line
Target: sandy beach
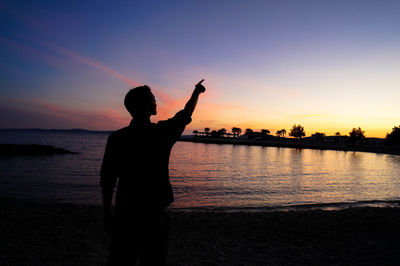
48 233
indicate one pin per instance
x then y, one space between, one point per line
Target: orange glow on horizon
211 111
310 129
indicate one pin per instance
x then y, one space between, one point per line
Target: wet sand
50 233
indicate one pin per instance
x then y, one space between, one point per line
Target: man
138 156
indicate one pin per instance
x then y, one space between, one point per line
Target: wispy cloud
100 119
94 64
26 49
167 103
166 107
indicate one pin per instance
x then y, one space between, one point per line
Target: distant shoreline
73 130
31 149
294 144
280 143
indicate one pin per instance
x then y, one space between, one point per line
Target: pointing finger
201 81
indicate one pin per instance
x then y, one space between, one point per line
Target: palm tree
320 136
222 132
215 134
283 132
249 132
265 132
356 134
393 138
297 131
236 131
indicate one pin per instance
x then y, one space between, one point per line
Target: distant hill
73 130
32 149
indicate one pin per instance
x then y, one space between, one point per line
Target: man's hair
138 100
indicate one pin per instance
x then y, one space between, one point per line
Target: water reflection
252 176
208 175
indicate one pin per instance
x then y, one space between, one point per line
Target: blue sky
329 65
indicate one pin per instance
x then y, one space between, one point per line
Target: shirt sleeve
108 176
175 126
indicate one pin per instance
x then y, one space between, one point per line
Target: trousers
139 237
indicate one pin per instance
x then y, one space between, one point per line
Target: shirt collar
141 123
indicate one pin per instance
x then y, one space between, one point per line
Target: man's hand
191 104
107 223
199 88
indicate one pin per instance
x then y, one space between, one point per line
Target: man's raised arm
191 104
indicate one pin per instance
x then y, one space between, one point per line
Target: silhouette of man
138 156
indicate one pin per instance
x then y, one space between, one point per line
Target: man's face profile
153 110
140 102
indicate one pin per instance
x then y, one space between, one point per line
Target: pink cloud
49 59
168 104
95 64
166 107
104 119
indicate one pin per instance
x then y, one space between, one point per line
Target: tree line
297 131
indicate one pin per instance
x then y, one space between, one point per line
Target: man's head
140 102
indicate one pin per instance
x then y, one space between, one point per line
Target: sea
208 176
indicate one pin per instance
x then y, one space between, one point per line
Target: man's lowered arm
107 193
108 180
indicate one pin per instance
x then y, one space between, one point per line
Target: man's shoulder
181 117
119 133
161 123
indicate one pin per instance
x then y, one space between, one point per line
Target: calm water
209 175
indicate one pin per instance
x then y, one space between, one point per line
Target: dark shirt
138 156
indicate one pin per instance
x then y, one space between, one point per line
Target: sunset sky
328 65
